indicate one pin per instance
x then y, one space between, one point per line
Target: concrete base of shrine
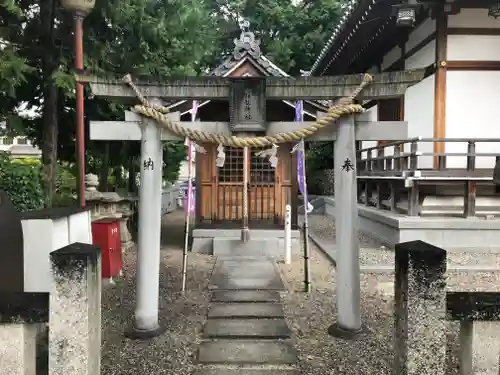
263 242
476 234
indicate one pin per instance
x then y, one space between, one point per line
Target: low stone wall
451 233
169 199
67 298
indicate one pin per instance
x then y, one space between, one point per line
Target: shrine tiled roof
247 46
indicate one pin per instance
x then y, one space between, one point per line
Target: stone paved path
245 332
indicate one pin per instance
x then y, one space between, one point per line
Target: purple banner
190 193
301 173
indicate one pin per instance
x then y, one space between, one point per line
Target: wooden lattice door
229 208
262 195
262 185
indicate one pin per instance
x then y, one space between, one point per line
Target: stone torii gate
236 91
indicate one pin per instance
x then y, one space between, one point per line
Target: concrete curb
322 246
388 269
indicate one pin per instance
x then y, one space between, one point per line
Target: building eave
364 23
346 17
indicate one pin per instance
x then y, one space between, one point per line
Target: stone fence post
75 311
420 309
21 315
476 311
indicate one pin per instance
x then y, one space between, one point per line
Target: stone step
247 352
245 310
248 284
232 274
245 371
452 270
247 328
245 296
264 247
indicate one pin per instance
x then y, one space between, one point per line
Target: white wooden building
458 42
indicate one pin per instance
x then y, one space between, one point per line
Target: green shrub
21 179
65 187
26 161
22 183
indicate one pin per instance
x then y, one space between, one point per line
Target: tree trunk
118 177
131 175
50 98
103 179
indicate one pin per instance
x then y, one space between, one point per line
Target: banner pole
305 227
189 204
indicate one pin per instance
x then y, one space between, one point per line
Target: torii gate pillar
346 228
148 255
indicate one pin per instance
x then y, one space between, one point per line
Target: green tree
292 33
141 37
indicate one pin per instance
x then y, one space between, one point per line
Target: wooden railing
396 167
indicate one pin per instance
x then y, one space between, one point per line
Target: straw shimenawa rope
159 113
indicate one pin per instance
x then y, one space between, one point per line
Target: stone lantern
82 7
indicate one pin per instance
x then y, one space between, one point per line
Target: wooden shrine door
221 189
263 192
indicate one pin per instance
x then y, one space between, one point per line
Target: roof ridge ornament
246 43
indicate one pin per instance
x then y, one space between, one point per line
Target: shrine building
219 190
444 168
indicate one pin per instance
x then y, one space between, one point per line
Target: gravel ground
309 317
183 316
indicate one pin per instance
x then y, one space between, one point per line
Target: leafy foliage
320 156
175 152
21 179
141 37
292 33
21 182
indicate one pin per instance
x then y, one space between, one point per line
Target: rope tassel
221 157
271 153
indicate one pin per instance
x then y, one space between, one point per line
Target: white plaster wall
465 91
472 18
60 233
393 56
37 246
41 237
422 58
80 229
474 47
421 32
370 114
419 99
419 113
